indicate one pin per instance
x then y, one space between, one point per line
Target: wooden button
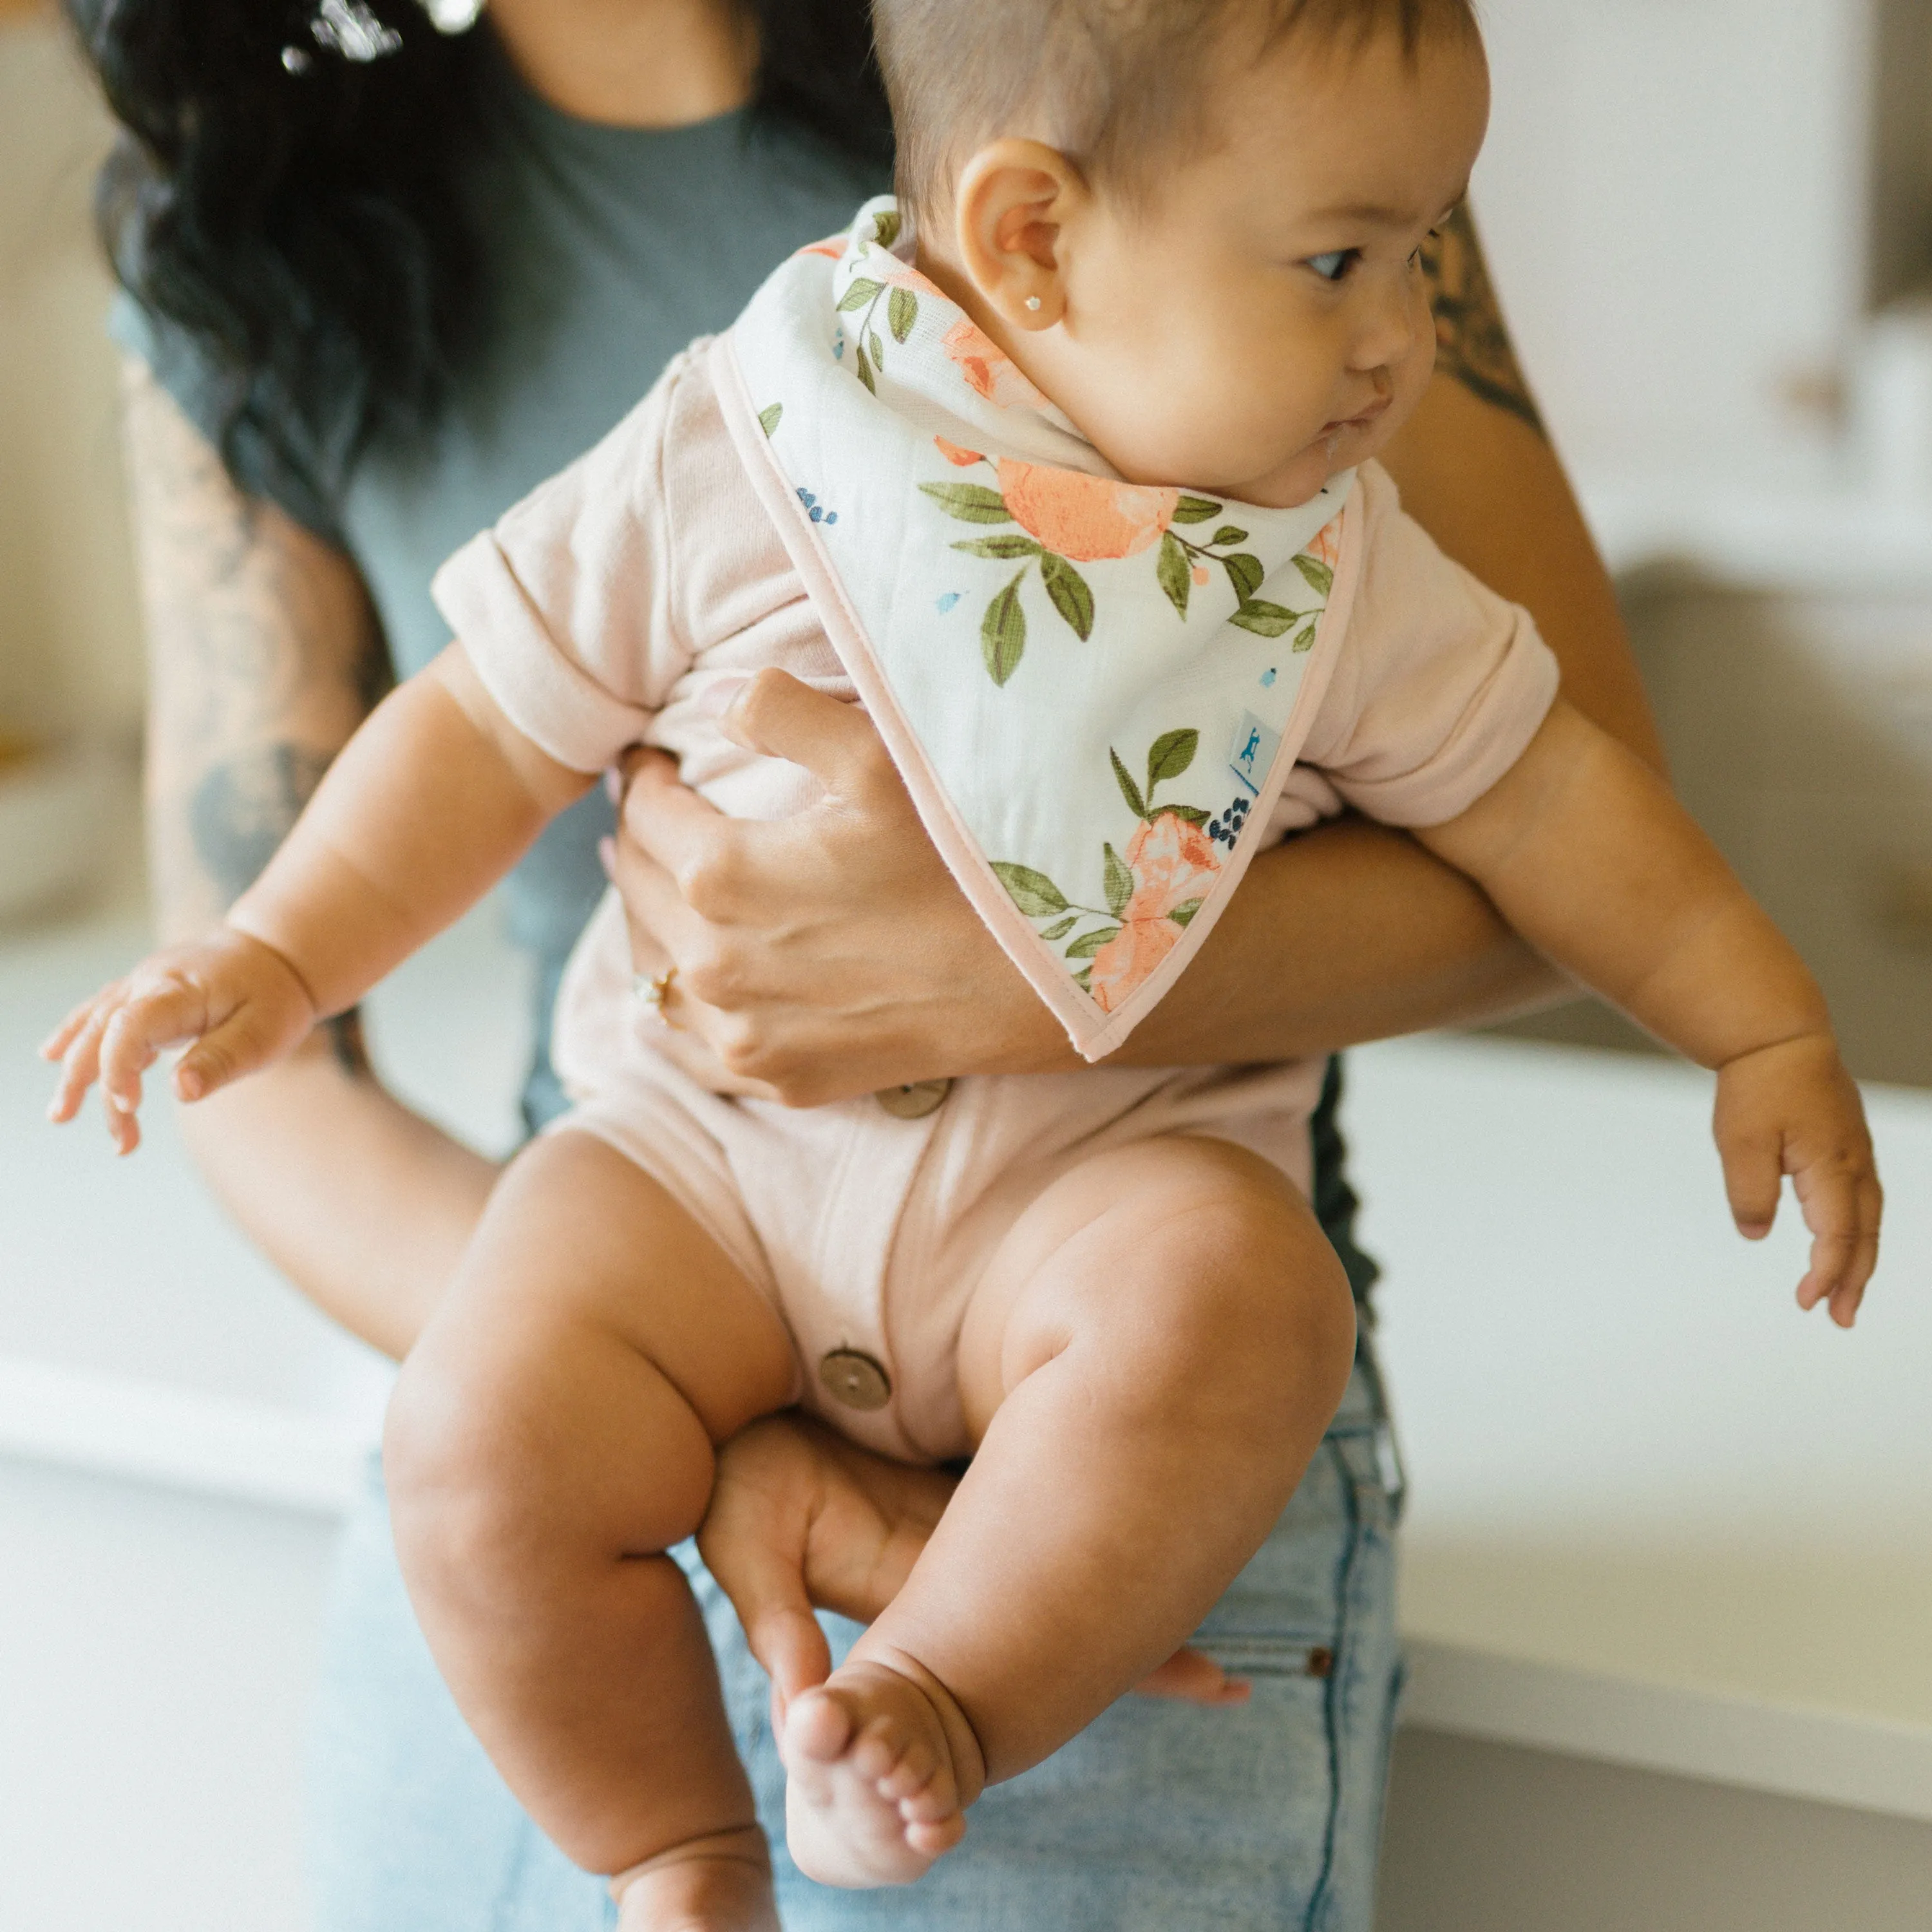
915 1102
854 1380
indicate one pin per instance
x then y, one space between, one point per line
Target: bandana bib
1093 689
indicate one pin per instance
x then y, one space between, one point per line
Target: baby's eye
1333 267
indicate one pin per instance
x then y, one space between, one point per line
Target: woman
384 281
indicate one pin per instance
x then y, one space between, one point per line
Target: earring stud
1032 303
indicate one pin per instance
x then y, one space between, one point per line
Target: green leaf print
1245 573
1174 572
1195 510
1033 892
970 503
1129 790
878 351
1084 979
1320 578
864 370
1265 620
1089 943
1304 642
885 226
902 312
769 419
1227 534
1173 752
861 291
1192 814
1071 597
1120 880
1062 929
1006 547
1184 913
1002 634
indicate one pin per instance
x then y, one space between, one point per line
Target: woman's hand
823 955
801 1518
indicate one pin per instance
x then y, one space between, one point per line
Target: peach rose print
988 369
1174 867
1085 519
1152 893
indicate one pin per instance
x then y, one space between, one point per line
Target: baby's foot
873 1795
717 1885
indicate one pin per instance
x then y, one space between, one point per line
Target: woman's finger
663 818
1190 1677
833 739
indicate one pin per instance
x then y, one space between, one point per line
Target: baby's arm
429 805
1585 852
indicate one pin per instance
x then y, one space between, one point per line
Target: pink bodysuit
597 611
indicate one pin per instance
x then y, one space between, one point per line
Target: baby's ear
1013 204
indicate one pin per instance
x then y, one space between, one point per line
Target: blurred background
1710 222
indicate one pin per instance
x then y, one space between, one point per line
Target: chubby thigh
551 1436
1146 1367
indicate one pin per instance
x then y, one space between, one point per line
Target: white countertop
1656 1515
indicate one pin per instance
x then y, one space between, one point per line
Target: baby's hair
1124 76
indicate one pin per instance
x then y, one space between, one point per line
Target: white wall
69 635
1673 192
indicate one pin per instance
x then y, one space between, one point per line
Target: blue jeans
1160 1817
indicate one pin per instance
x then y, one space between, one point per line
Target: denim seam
1332 1703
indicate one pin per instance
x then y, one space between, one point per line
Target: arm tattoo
265 655
241 811
1473 341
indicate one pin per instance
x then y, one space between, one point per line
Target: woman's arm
1477 469
264 657
831 954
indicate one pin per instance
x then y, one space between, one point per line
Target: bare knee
494 1493
1232 1307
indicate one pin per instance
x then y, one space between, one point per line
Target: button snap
915 1102
852 1379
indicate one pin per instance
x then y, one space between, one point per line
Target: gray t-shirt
606 250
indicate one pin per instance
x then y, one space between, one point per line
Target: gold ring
655 991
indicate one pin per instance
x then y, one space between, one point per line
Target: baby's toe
935 1841
912 1772
818 1727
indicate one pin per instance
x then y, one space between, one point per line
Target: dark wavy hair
302 221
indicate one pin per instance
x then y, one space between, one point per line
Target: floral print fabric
1091 685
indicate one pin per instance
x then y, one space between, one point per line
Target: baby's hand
240 1002
1792 1109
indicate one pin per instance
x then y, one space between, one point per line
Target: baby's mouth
1333 433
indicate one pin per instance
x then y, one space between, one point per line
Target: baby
1070 457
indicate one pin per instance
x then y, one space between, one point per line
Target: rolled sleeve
565 606
535 678
1443 683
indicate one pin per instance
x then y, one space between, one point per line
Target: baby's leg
551 1436
1148 1365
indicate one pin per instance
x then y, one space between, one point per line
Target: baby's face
1264 323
